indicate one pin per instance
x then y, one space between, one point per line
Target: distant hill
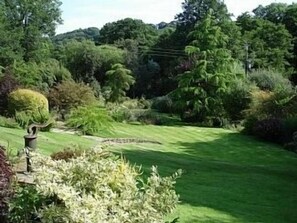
164 25
91 33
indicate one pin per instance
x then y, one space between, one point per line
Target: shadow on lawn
225 175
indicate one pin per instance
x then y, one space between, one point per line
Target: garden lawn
48 142
227 177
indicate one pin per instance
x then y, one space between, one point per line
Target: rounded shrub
29 101
163 104
69 94
270 80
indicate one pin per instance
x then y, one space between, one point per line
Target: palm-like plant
119 80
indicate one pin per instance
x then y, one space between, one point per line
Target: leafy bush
24 119
257 110
8 122
25 203
53 68
25 100
70 94
135 103
237 99
129 110
278 104
90 119
99 187
151 118
163 104
27 74
145 116
5 181
269 129
28 107
249 123
7 84
270 80
67 153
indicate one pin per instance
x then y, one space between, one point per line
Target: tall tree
195 11
10 47
200 89
35 20
86 61
275 12
270 44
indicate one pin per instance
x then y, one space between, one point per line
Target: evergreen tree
201 89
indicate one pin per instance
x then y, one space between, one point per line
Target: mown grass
227 177
48 142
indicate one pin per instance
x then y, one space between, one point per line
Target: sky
96 13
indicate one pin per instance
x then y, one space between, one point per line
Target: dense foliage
119 80
95 187
5 181
200 89
25 100
70 94
89 120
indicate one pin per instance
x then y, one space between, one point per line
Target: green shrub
237 99
135 103
150 117
25 100
27 74
8 122
277 104
270 80
163 104
89 119
269 129
249 123
24 119
121 114
129 110
70 94
25 204
53 68
99 187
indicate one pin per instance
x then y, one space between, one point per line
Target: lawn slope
227 177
